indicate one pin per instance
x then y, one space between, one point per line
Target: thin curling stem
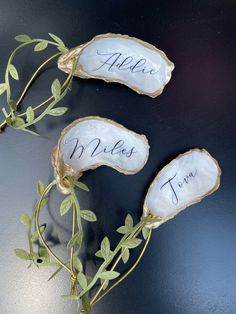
34 76
4 123
47 189
96 298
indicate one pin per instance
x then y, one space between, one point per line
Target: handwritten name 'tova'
175 186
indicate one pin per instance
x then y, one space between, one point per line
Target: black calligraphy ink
96 147
175 199
122 63
175 187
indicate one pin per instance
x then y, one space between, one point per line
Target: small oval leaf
13 72
109 275
65 205
3 87
23 38
88 215
82 280
22 254
25 219
41 46
56 112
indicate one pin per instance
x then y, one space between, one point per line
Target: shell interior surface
184 181
93 141
123 59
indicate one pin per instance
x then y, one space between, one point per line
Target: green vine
82 284
30 117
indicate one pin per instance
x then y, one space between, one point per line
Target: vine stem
11 58
45 192
78 215
53 103
34 76
72 234
96 298
4 123
107 262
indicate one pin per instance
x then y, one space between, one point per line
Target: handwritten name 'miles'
175 186
96 147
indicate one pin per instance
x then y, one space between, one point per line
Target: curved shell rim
146 211
83 74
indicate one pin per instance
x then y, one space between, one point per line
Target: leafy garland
39 253
82 284
28 118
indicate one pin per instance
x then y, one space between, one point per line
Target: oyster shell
184 181
90 142
122 59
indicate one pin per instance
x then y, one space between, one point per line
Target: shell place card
183 182
90 142
123 59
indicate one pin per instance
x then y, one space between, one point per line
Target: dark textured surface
190 265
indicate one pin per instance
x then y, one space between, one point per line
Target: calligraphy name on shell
96 147
175 185
124 62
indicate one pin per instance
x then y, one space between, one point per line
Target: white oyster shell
122 59
183 182
91 142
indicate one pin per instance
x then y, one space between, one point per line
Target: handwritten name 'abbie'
175 186
95 148
116 60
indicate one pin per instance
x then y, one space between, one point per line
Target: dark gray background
190 265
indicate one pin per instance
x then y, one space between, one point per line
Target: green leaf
63 49
105 282
71 297
22 254
56 89
29 114
44 202
81 185
12 104
3 87
35 235
131 243
9 121
109 275
86 304
18 122
78 265
43 253
99 254
105 248
145 232
13 72
55 273
40 188
41 46
25 219
56 112
122 230
129 222
65 205
23 38
56 39
125 255
75 239
82 280
88 215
